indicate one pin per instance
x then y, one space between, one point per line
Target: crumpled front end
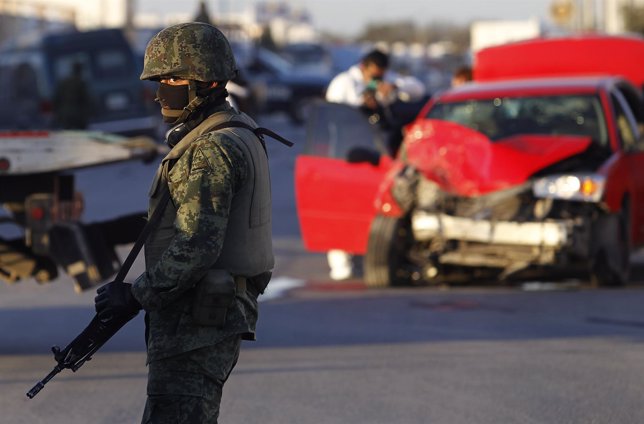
510 229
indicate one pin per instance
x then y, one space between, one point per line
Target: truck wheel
611 264
45 271
386 262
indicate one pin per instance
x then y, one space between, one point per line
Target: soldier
71 101
210 256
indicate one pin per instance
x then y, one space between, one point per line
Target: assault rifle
81 348
98 332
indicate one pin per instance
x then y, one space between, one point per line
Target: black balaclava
174 98
192 113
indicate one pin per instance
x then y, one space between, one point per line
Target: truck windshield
502 117
110 63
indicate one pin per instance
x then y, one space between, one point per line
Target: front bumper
503 244
427 226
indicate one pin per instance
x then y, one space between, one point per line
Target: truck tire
386 263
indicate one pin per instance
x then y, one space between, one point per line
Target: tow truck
41 228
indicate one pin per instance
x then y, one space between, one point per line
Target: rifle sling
140 241
258 131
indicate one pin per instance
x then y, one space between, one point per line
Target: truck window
62 66
112 64
98 64
24 96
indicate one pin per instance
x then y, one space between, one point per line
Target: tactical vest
247 248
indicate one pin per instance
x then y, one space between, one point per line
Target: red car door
335 195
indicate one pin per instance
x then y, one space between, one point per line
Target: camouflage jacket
202 183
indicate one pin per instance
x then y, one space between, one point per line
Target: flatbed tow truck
38 196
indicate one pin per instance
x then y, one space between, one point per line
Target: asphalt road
333 352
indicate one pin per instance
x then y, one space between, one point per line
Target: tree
634 18
403 31
409 32
266 40
203 15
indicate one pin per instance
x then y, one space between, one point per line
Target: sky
349 17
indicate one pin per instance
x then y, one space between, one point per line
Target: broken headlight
579 187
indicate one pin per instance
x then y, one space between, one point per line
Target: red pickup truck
537 164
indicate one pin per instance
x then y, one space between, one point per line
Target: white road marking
279 286
550 286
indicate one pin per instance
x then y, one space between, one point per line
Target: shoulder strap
147 229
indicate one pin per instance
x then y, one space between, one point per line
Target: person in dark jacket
72 102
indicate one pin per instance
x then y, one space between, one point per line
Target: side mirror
362 155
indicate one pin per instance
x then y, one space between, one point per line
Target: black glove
115 300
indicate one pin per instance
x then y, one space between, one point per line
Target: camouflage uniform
218 218
187 388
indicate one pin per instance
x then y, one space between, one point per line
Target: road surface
335 352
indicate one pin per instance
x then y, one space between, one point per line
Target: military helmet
192 51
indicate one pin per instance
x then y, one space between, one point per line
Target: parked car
309 57
276 85
498 176
31 67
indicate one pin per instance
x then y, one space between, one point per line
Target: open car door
337 178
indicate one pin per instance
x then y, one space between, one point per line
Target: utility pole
589 20
128 26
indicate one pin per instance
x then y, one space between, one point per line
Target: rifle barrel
39 386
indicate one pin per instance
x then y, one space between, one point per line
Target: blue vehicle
31 69
276 84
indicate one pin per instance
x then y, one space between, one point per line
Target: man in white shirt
368 85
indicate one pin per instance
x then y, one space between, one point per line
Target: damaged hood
465 162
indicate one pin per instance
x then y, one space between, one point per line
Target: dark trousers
187 388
